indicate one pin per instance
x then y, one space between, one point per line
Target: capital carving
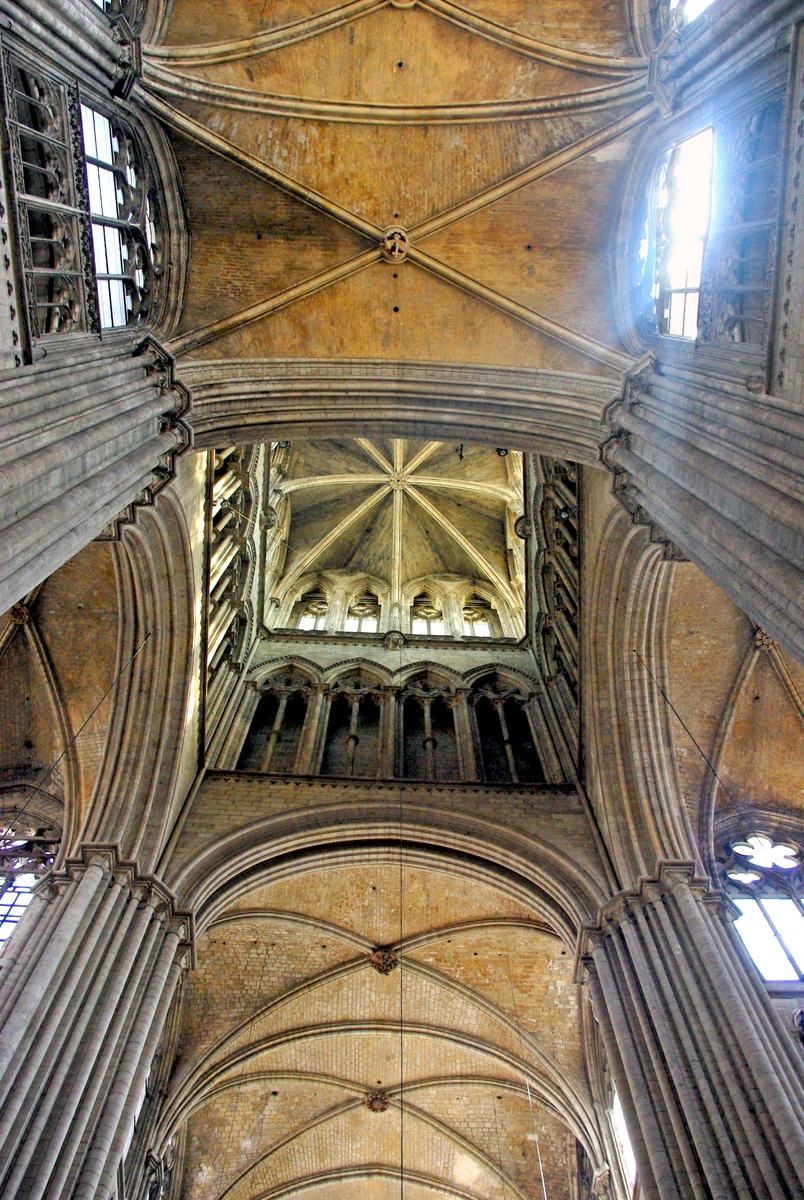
148 888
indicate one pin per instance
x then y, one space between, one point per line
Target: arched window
311 611
62 195
685 203
426 617
715 225
764 879
27 852
363 615
429 745
125 227
273 739
352 741
479 618
504 737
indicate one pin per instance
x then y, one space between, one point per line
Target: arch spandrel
541 839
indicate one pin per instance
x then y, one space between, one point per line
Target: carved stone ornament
523 527
394 640
377 1102
20 614
763 640
384 960
394 244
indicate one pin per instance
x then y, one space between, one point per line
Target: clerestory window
89 223
685 204
764 879
312 611
125 236
477 617
426 617
26 854
363 615
687 10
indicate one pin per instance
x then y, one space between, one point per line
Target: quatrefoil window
762 852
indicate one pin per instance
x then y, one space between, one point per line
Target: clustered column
711 1081
79 441
85 988
719 468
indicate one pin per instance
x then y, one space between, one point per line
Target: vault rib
547 1079
317 481
247 316
262 43
310 27
508 495
307 560
367 1170
224 95
421 456
204 136
376 454
557 56
559 333
438 1126
491 572
539 170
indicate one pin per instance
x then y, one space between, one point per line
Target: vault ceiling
494 136
400 511
290 1030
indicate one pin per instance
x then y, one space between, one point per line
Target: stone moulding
548 411
160 372
107 856
669 873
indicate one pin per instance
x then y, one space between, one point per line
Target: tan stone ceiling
495 135
400 511
288 1030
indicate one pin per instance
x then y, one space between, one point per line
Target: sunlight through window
685 202
690 10
621 1133
771 923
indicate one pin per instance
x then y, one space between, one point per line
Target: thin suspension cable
75 736
739 807
527 1082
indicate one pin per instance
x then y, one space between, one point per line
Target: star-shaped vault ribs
401 511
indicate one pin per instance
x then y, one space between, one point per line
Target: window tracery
232 551
88 215
506 742
715 222
426 617
556 574
428 736
28 850
126 236
736 285
273 739
363 615
766 883
479 619
311 611
352 744
682 227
